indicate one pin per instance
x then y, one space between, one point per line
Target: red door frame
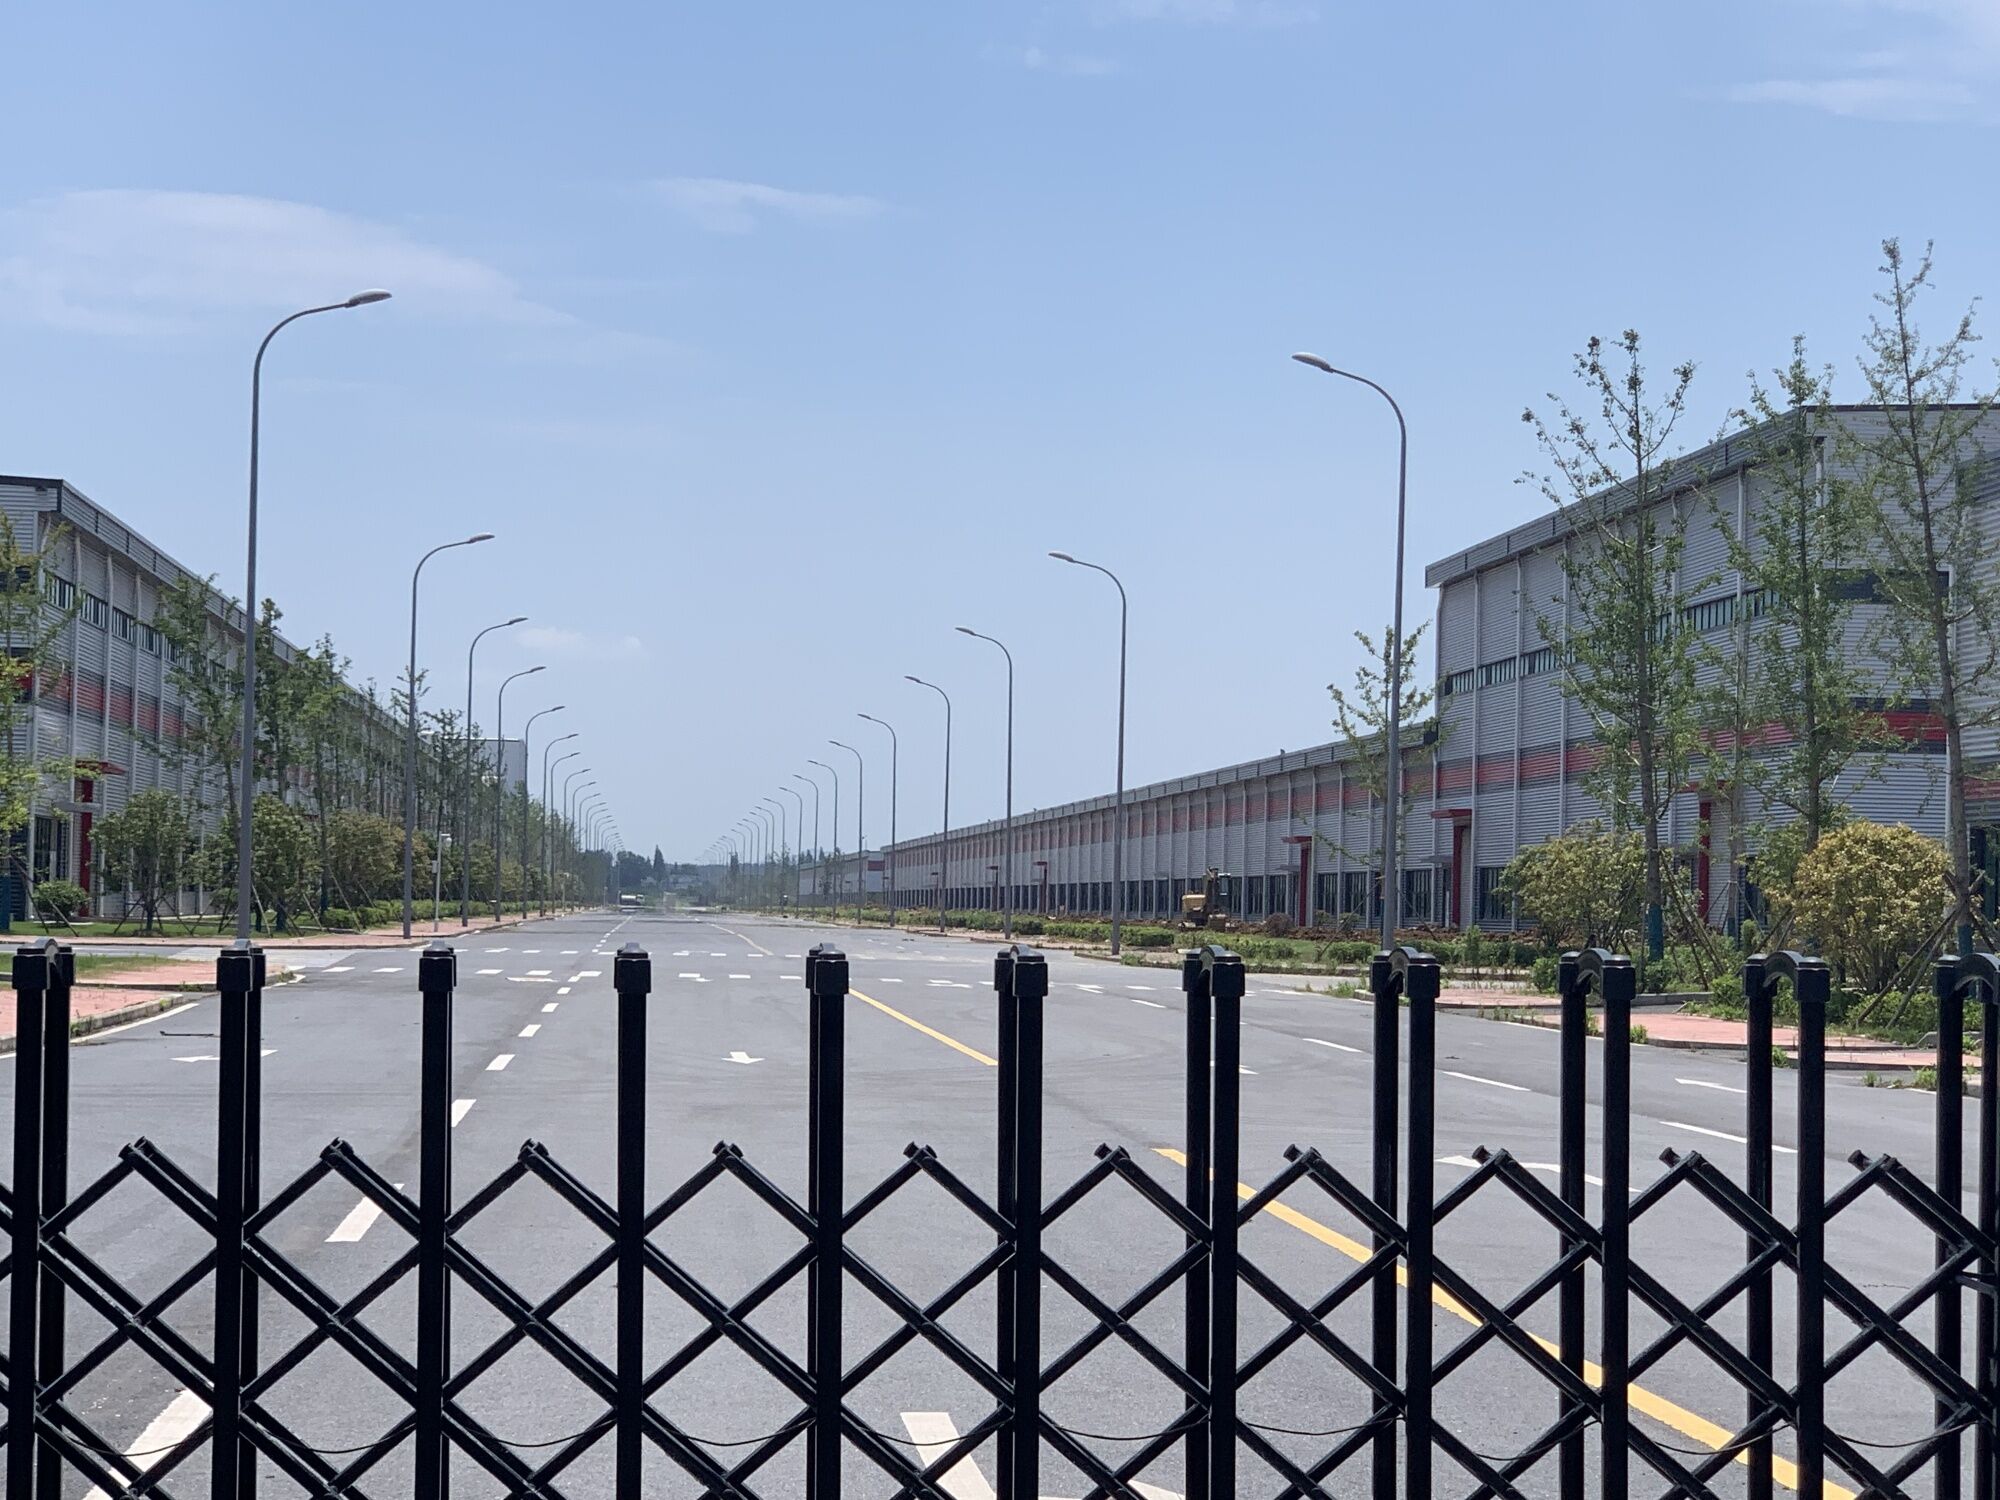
1461 834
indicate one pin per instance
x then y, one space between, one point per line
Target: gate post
1224 972
239 976
1948 1117
826 986
1416 976
1759 1310
437 977
1984 970
1811 983
1194 985
1617 983
1029 982
632 977
1005 1126
55 1173
1572 1110
32 965
1386 985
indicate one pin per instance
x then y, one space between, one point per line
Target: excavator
1208 907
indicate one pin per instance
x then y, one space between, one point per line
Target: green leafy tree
364 855
284 861
1871 896
1629 661
209 681
146 847
1361 718
1916 474
1585 887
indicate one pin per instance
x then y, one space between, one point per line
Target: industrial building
113 711
1500 767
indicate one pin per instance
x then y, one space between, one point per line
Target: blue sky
774 341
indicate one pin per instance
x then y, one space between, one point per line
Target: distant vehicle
1208 907
631 900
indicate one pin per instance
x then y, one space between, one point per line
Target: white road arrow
743 1057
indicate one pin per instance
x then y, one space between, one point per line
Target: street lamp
1392 894
893 750
569 813
1007 852
499 776
799 797
1117 832
246 893
562 832
860 823
814 784
778 812
944 839
410 738
527 799
465 813
836 827
543 863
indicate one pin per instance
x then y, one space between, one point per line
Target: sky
774 341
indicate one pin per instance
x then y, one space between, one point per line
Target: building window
1490 902
1457 682
58 591
124 626
1498 673
1356 888
1539 662
1417 896
96 611
1255 906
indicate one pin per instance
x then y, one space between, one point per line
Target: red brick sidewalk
128 995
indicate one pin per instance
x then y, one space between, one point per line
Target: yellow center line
937 1036
1661 1410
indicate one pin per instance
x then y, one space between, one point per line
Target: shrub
1585 886
1869 896
61 899
1543 974
1278 924
1149 937
1639 1035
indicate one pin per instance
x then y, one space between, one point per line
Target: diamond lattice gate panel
1218 1327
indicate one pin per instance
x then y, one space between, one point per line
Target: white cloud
556 640
723 206
155 261
1939 62
1209 12
1071 64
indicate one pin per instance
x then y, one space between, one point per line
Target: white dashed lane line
460 1108
539 973
562 989
1339 1047
739 976
489 971
550 1006
1723 1135
1491 1083
392 969
1703 1083
360 1219
531 1028
499 1063
338 969
1149 1004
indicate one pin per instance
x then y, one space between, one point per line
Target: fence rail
1400 1445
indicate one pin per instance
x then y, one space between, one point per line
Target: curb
84 1026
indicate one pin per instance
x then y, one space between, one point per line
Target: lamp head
965 630
517 620
362 299
917 680
483 536
1315 361
1062 557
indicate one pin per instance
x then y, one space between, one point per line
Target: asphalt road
728 1054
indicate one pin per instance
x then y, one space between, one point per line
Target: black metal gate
1393 1451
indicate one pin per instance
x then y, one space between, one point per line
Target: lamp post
778 813
944 839
1392 893
499 779
568 824
527 799
799 797
465 816
836 827
547 813
246 891
1118 831
813 782
890 874
860 823
410 736
1007 850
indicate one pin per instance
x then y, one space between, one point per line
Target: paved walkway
129 995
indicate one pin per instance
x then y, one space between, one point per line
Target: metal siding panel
1455 627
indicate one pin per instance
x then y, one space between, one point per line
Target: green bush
61 899
1149 937
1542 974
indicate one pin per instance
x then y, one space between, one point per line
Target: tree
284 860
1585 887
209 683
1361 718
146 847
1916 476
1870 896
32 664
364 856
1796 690
1627 652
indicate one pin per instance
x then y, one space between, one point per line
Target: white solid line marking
460 1108
1491 1083
142 1021
1703 1083
184 1413
550 1006
392 969
1723 1135
338 969
934 1433
500 1062
1337 1046
489 971
1149 1004
360 1219
531 1028
1551 1168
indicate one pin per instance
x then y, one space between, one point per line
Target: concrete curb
140 1010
